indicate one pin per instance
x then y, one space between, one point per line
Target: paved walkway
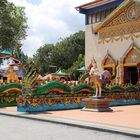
125 119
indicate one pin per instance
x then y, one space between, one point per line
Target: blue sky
35 2
50 20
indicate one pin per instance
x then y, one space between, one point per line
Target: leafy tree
62 54
43 58
80 62
13 25
76 65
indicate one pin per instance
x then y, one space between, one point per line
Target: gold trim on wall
123 37
120 32
121 27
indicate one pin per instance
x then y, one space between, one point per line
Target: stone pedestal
97 104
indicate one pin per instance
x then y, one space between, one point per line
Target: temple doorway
131 75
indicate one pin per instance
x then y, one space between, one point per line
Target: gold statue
12 76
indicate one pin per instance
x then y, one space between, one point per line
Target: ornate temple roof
117 10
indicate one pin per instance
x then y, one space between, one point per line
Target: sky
49 21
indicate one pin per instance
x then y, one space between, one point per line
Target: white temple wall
99 51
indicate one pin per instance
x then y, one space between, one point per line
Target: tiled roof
82 69
94 4
6 52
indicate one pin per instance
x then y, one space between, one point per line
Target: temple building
112 37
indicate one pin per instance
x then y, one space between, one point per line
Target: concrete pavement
123 120
13 128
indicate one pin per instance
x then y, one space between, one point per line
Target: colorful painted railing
9 94
57 96
40 103
127 98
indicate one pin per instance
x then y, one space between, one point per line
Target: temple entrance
128 63
109 64
130 75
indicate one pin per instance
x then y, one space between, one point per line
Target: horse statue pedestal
97 104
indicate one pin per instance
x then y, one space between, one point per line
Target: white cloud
49 21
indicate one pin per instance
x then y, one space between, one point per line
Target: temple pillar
120 73
121 82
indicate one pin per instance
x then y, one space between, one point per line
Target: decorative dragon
31 73
29 70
